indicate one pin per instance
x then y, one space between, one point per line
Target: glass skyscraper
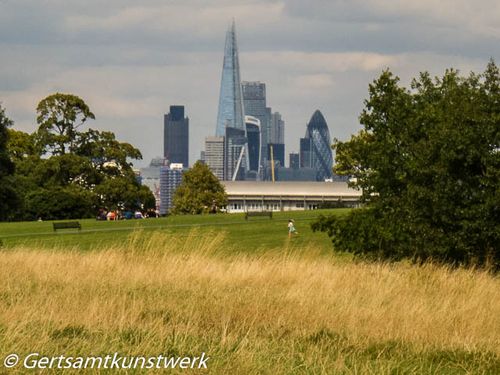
231 113
254 102
315 147
254 142
176 136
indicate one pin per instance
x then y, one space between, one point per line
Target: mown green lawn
255 235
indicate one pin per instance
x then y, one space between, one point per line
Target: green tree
84 170
8 197
124 194
199 192
59 116
428 162
60 202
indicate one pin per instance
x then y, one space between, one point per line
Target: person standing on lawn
291 228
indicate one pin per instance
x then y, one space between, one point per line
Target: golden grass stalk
157 291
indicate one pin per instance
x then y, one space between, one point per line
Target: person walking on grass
291 228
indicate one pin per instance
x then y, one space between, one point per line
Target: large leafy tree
428 162
199 192
65 171
8 197
59 116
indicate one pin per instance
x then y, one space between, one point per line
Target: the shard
231 113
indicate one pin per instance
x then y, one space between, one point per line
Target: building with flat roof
176 136
214 155
254 103
287 195
170 179
294 161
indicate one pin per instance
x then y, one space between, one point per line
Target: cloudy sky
130 60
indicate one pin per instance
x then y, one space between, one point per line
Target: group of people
113 215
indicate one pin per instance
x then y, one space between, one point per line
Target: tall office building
176 136
214 155
278 153
277 130
305 153
277 138
170 179
254 102
234 148
315 147
254 142
150 177
294 160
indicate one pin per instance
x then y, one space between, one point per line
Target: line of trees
63 171
428 163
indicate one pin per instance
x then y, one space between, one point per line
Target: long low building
287 195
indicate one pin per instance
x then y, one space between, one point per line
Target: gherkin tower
318 150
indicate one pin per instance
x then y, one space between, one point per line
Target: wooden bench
258 213
67 225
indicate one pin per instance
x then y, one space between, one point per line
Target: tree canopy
59 116
65 171
8 196
428 163
199 192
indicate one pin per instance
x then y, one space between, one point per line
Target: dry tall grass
291 311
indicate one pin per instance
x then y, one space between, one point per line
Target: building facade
170 179
246 196
176 136
316 147
277 131
234 157
254 103
254 142
305 153
214 156
150 177
278 153
294 160
231 113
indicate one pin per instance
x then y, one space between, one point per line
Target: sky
131 60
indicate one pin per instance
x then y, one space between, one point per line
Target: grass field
255 235
183 286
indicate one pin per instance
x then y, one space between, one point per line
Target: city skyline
129 65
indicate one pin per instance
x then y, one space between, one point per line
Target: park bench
258 213
67 225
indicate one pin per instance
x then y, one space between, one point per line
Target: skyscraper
254 141
170 179
277 131
176 136
231 113
214 155
294 160
315 147
278 153
254 102
234 147
230 99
